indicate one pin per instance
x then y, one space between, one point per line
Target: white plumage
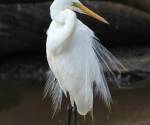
76 59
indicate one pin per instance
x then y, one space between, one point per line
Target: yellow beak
90 12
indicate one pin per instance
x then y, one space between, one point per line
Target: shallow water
24 105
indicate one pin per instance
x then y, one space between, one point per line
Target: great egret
76 58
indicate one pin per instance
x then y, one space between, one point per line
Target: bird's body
77 61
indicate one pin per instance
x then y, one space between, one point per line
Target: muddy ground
24 105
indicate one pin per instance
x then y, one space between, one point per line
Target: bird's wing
53 89
111 65
101 63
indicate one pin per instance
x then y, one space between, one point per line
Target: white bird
77 60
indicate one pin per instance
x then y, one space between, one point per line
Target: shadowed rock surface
33 68
23 38
139 4
23 26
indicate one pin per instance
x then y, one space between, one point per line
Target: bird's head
77 6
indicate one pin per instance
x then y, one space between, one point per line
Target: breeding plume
78 61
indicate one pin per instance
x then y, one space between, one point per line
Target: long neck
69 24
57 7
65 22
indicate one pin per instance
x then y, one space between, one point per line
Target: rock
32 69
23 26
22 1
128 26
139 4
23 35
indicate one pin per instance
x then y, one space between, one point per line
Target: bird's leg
69 114
72 114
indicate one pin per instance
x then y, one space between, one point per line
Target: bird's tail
107 65
53 89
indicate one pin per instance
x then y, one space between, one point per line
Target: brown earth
25 106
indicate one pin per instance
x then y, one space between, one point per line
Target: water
24 105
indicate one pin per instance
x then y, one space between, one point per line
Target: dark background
23 65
